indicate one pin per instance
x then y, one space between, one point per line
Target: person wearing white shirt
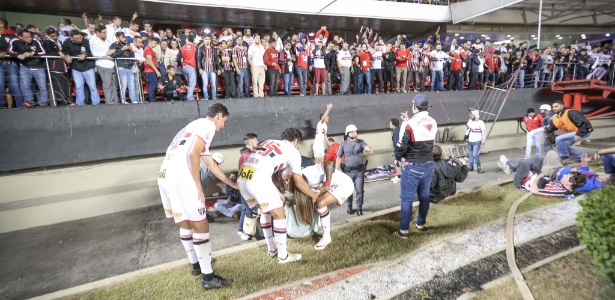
105 67
478 45
481 69
131 31
344 60
255 57
279 46
437 65
90 31
376 69
112 28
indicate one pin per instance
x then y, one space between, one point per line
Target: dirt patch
309 286
471 277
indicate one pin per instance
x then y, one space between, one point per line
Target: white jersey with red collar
315 175
175 161
270 156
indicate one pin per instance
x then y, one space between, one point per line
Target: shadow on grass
354 245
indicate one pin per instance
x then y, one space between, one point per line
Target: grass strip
354 245
570 277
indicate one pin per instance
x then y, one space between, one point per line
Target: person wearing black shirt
170 86
82 68
57 67
24 47
8 67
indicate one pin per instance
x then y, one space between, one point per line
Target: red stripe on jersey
409 129
276 149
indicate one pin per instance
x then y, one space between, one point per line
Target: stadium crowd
188 64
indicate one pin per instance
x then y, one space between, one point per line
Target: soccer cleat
291 257
216 283
503 159
196 269
404 234
420 227
504 168
322 244
350 211
273 254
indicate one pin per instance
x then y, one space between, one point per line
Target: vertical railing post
119 82
53 94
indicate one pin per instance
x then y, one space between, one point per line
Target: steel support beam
466 10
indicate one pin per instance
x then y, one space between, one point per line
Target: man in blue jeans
415 145
8 67
608 159
23 48
575 126
82 68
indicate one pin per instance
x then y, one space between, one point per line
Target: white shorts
262 193
181 201
341 187
318 148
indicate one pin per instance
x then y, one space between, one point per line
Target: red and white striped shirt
226 65
240 55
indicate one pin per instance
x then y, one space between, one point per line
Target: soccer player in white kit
256 186
182 195
321 135
338 186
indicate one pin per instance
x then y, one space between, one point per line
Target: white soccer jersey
321 129
315 174
175 160
270 156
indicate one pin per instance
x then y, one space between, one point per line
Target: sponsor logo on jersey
162 174
246 172
202 210
263 205
177 215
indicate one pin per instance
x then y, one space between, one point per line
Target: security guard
352 149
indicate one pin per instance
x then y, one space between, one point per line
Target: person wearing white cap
352 149
204 170
476 136
415 145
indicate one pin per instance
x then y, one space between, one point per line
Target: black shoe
196 269
210 218
350 211
359 212
216 283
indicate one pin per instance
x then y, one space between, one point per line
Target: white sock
325 221
267 227
202 247
279 235
186 238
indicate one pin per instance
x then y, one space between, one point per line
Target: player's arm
303 186
329 168
534 189
194 162
215 170
326 114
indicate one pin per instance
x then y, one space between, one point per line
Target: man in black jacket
82 68
208 61
24 47
415 145
169 85
388 58
57 67
575 125
447 172
125 67
330 64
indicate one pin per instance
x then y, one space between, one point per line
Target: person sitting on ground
171 87
206 174
334 187
447 172
232 207
537 175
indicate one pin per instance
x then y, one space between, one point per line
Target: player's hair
437 152
217 108
395 122
290 134
99 28
152 39
559 101
278 182
234 173
119 34
248 137
301 204
331 140
577 180
169 67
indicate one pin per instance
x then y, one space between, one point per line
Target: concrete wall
34 138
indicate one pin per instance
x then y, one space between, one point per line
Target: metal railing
138 80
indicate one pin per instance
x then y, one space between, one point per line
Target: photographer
446 173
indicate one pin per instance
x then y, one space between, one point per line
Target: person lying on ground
232 207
